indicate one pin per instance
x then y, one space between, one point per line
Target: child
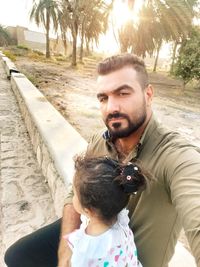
102 188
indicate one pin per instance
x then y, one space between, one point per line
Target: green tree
45 12
5 38
187 66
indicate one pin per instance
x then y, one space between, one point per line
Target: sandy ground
72 92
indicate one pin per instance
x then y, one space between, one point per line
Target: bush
39 53
9 54
60 58
23 47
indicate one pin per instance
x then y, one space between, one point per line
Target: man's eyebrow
122 87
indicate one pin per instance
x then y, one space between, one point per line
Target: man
157 214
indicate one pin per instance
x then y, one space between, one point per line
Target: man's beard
132 127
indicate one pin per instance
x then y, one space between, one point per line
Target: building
37 40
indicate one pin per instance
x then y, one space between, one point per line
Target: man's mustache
116 115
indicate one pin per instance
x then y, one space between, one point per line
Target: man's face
123 103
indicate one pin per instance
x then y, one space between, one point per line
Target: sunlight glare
121 13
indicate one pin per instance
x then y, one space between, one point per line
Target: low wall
54 140
9 66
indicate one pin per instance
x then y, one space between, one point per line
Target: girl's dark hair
104 185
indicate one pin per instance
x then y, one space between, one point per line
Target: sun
121 13
119 16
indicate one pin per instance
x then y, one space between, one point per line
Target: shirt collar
148 129
107 136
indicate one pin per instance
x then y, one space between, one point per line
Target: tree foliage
160 20
5 38
187 66
94 21
85 18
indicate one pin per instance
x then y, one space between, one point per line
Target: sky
16 13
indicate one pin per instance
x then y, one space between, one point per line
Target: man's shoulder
160 136
98 136
97 144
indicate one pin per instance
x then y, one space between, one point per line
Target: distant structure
37 40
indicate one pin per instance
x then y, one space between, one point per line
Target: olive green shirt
173 199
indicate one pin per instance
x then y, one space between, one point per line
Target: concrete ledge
54 140
9 66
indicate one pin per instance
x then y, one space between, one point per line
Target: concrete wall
37 41
54 140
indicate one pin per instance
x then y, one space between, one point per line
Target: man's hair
117 62
102 184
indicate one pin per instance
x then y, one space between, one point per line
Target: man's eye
123 93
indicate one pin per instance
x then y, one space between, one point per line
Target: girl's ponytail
129 176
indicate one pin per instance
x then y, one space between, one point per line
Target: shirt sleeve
185 195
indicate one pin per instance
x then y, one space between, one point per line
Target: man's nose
112 105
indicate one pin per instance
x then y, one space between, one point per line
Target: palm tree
84 17
165 20
44 12
5 37
69 19
94 21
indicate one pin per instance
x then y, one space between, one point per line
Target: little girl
102 188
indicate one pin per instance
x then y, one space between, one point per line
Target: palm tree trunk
157 56
64 39
47 34
173 56
65 45
82 40
88 47
74 36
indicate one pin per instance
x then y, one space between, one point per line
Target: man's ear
149 92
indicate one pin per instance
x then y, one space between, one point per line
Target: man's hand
70 222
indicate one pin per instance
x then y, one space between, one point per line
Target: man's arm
70 222
185 194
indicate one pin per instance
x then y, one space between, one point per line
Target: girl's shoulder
122 218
